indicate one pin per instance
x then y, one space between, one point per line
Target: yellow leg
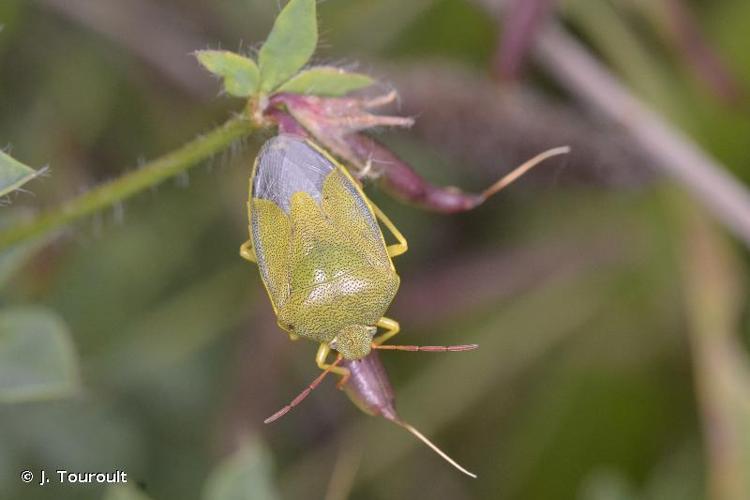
292 336
247 251
392 328
397 248
320 359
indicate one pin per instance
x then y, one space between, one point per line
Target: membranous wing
287 164
309 221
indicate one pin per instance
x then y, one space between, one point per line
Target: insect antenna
427 348
522 169
432 445
302 395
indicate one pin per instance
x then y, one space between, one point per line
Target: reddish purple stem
698 54
400 180
286 124
522 22
336 124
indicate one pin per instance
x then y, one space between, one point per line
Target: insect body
327 269
322 256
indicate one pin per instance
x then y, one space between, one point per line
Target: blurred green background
610 309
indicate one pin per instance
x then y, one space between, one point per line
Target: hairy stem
129 184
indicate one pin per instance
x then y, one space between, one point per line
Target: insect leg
397 248
247 251
393 328
320 359
390 325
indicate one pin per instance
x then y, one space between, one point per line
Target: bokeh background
608 302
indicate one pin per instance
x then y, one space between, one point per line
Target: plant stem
127 185
670 149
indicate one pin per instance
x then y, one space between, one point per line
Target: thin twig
148 175
671 150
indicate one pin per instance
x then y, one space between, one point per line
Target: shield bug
321 253
325 264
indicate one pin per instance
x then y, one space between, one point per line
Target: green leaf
290 44
13 174
37 358
246 475
124 492
326 81
240 74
